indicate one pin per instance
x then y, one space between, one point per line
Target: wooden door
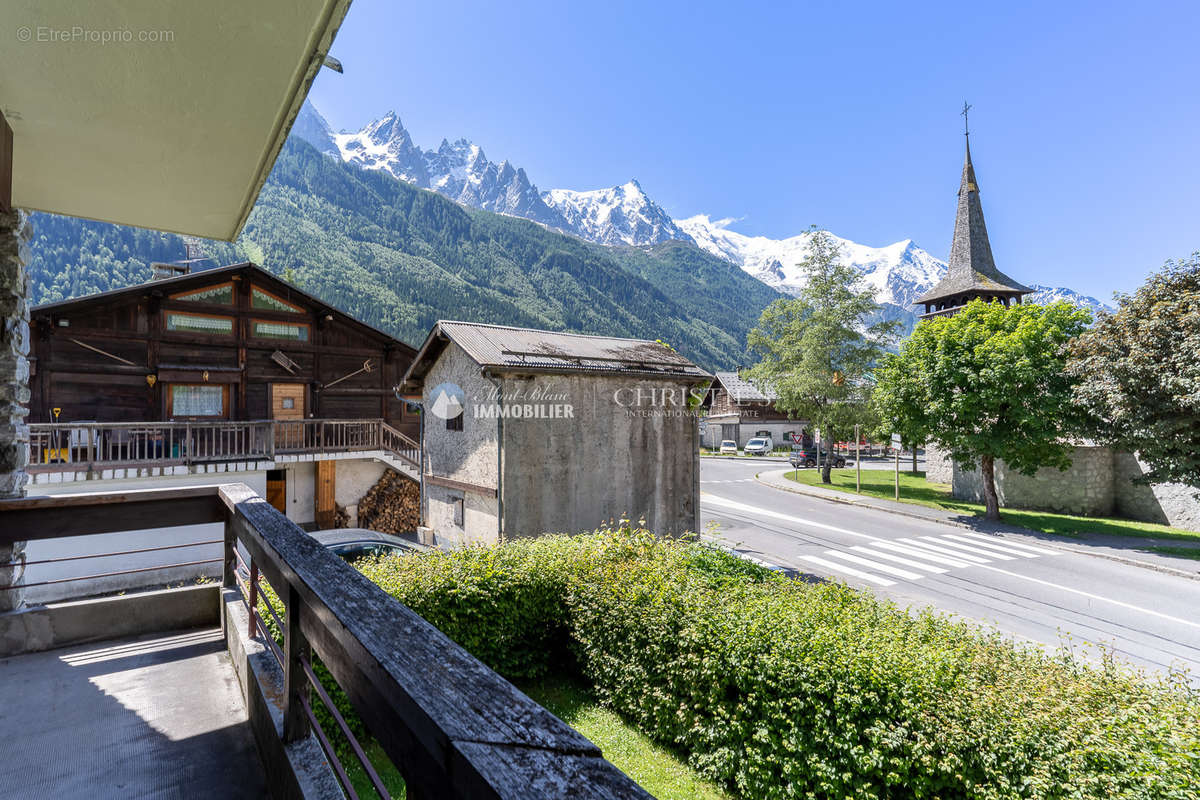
277 491
287 403
326 506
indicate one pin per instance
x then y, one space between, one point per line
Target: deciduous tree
1139 372
817 350
988 383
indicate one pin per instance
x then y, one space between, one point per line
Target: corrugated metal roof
505 347
743 391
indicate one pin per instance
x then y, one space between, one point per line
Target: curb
1055 543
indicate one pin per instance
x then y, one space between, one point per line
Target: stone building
740 410
528 432
1100 481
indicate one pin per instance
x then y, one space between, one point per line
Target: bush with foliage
780 688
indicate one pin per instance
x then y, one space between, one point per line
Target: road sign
895 440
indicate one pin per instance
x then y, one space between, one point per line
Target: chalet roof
508 349
972 267
211 276
742 390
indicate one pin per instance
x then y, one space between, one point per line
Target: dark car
807 457
355 543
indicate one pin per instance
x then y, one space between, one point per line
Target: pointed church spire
972 272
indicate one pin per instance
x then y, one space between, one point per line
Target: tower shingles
972 272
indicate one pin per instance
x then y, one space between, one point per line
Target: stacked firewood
391 506
341 517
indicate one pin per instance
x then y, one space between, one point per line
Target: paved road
1017 584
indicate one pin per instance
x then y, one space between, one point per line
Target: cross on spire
966 120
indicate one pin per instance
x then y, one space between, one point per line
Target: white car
758 447
729 446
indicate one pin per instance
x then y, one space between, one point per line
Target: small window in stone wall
455 423
457 504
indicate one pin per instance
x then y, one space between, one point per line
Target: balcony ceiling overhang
174 135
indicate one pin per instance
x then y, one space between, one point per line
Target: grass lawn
915 489
656 769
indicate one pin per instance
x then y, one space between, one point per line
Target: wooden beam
462 486
30 518
6 164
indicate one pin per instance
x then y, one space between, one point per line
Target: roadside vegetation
915 489
773 688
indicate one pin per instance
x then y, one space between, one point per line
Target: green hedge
783 689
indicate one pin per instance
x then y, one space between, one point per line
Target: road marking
892 557
923 553
977 552
875 565
1012 551
946 551
866 576
736 506
1019 545
1091 596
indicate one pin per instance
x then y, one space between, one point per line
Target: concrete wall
469 455
630 447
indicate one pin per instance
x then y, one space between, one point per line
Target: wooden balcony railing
451 726
96 446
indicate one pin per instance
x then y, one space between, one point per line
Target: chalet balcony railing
450 725
98 446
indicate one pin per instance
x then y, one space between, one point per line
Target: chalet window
455 423
199 323
262 299
294 331
221 294
196 400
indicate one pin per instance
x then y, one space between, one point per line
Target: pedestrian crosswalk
884 562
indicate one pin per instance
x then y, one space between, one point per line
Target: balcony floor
146 717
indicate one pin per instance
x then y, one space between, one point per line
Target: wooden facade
233 343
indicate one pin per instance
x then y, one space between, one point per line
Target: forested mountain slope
400 257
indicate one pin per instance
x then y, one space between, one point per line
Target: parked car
729 446
355 543
807 457
758 446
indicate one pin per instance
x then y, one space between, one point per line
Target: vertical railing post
295 682
185 447
229 570
271 440
253 627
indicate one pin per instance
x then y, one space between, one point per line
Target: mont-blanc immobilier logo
449 401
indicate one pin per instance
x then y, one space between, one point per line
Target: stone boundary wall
1099 482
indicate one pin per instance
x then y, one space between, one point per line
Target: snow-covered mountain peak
624 214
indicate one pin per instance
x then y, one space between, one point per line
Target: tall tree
1139 372
988 383
817 350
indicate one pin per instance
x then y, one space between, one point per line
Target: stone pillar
15 233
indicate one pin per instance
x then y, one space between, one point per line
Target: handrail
450 725
95 446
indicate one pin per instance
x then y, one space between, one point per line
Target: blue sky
1085 127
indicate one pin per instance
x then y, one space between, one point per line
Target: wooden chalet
232 343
